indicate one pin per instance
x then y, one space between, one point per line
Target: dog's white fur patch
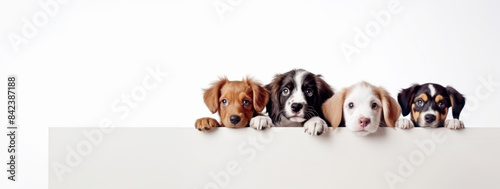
362 97
315 126
284 122
297 96
433 90
421 120
454 124
404 123
261 122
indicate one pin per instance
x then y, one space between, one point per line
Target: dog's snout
363 122
429 118
296 107
235 119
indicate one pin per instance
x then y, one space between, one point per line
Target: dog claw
454 124
315 126
404 123
261 122
205 124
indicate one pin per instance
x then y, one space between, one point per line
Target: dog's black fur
316 92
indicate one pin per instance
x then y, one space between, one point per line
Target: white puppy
362 108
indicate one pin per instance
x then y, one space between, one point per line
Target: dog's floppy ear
333 109
212 94
390 108
273 107
324 90
260 95
405 97
457 101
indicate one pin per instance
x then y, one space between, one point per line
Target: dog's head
429 103
363 108
297 95
236 101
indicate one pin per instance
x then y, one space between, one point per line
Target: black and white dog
295 101
428 104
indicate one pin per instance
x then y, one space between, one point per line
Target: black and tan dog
428 104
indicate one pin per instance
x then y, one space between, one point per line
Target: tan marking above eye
438 98
423 97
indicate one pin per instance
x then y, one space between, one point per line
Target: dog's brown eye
420 103
441 105
246 102
309 92
374 106
351 105
286 91
224 101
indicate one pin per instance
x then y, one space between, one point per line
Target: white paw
404 123
454 124
315 126
261 122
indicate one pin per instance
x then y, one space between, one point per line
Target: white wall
274 158
88 55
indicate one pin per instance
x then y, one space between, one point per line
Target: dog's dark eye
286 91
374 106
351 105
246 102
224 101
441 105
309 92
419 102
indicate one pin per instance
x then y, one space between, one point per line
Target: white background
89 54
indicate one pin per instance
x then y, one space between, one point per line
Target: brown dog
236 101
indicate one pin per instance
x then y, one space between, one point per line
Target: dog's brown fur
235 92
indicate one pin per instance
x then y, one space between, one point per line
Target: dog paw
261 122
315 126
404 124
454 124
206 124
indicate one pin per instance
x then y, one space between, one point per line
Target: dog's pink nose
363 122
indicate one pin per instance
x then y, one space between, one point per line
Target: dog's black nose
296 107
430 118
234 119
